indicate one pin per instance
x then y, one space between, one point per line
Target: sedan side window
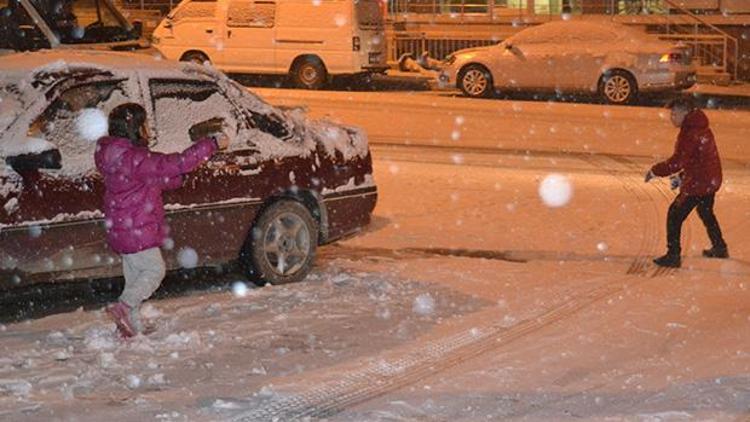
59 123
184 110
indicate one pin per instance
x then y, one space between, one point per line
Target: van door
249 42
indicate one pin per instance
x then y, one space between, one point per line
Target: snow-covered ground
468 298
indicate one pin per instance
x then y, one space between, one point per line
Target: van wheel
281 246
195 57
618 87
309 73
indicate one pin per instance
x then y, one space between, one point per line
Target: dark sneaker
120 314
716 252
671 261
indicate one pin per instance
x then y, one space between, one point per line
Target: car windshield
84 21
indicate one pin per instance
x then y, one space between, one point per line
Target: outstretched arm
169 166
678 160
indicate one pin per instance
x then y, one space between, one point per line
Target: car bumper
660 81
376 68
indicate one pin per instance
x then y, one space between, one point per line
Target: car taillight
355 44
671 58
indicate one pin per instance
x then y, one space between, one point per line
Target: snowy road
466 299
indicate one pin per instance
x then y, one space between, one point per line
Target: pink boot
120 314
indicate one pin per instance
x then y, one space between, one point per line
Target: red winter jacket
134 178
696 156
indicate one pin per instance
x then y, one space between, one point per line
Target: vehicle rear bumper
667 81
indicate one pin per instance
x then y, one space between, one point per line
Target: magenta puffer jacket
134 178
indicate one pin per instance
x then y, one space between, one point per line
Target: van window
201 9
369 14
251 14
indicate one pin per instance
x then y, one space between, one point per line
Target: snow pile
92 124
555 190
31 145
424 305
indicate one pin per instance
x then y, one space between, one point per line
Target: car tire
281 246
618 87
195 57
309 73
476 81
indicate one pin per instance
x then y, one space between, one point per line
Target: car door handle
229 34
209 31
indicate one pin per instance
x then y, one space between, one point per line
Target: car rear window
369 14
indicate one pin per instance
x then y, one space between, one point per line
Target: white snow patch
11 205
30 145
133 381
424 305
16 387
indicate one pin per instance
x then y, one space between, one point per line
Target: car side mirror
49 159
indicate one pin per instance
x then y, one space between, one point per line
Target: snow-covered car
285 185
611 60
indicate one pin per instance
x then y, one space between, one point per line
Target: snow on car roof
17 67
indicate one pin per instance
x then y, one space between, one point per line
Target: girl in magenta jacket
134 178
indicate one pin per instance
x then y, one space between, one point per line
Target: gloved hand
675 181
650 175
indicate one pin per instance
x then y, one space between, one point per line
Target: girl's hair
126 120
683 102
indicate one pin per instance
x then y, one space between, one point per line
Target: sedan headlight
449 60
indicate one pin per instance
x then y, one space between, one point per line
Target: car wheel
281 246
195 57
618 87
476 81
309 73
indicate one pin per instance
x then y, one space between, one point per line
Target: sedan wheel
476 81
618 87
282 244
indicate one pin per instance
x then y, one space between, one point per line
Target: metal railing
712 48
438 47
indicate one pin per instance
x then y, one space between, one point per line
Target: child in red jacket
696 159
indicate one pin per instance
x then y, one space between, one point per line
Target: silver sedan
610 60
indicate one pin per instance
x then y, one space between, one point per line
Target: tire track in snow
343 389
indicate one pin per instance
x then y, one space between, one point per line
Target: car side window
187 110
195 9
61 123
251 14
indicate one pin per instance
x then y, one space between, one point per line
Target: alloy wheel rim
617 88
475 82
286 244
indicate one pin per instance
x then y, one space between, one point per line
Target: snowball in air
92 124
188 258
555 190
239 289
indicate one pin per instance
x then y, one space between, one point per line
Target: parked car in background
613 61
284 186
29 25
308 40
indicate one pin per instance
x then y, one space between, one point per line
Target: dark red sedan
284 186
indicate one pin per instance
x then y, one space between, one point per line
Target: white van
310 40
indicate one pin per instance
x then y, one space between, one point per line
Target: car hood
472 50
